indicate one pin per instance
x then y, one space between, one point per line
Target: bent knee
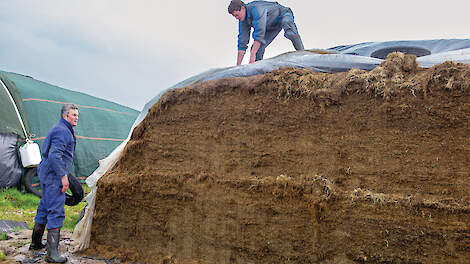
291 34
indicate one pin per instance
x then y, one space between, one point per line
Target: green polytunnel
102 124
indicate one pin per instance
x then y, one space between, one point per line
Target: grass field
18 206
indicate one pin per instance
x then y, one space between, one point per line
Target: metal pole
16 110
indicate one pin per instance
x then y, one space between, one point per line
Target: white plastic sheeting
462 56
441 51
82 233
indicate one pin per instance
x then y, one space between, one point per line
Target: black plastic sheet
10 167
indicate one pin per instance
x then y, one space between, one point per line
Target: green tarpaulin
9 98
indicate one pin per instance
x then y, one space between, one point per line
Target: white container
30 154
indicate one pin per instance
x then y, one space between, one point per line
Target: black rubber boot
36 242
53 236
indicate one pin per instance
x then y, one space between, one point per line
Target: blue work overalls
267 19
57 159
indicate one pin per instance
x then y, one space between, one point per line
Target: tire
31 182
76 190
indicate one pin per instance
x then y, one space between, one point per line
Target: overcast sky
128 51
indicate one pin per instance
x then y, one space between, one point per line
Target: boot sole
48 260
36 248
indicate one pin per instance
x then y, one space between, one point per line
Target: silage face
297 166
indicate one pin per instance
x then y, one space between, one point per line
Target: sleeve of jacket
259 24
56 153
243 35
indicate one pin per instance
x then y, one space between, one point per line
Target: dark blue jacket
57 151
261 16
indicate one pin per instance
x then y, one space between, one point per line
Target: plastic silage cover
10 168
426 47
346 58
462 56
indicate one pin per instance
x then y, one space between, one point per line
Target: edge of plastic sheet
458 56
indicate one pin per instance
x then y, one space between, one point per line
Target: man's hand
65 183
254 50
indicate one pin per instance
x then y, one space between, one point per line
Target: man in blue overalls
267 19
57 158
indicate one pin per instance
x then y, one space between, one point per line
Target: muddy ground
16 249
297 167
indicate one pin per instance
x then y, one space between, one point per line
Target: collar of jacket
248 12
68 125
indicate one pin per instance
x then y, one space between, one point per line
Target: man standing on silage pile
267 19
57 158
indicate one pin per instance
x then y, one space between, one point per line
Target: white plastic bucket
30 154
